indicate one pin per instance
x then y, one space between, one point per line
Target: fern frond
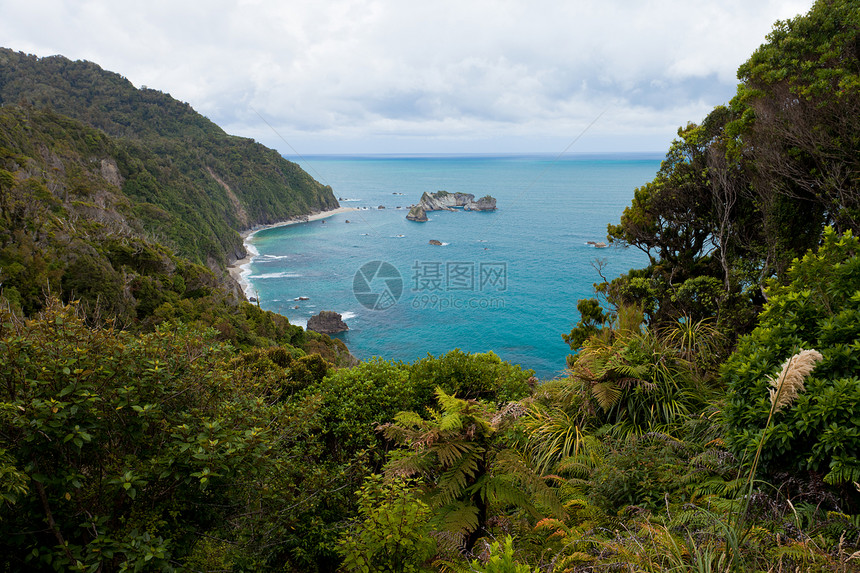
459 517
407 466
842 471
796 551
452 422
503 491
607 394
450 452
550 523
453 482
409 419
515 465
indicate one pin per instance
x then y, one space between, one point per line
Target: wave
345 200
276 276
252 250
348 315
274 257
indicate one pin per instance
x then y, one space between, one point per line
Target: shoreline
239 269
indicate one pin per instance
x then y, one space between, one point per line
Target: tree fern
462 457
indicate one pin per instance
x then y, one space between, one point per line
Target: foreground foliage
159 424
124 448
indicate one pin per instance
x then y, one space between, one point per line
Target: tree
592 319
751 188
803 89
7 181
670 217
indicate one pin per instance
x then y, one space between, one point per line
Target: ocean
505 281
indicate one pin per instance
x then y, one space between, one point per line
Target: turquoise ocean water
505 281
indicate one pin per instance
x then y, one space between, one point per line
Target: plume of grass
784 389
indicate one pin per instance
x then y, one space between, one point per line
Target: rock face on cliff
444 201
327 322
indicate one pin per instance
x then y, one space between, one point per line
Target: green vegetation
169 450
66 228
192 185
754 185
149 420
819 308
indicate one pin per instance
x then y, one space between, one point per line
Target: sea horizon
583 155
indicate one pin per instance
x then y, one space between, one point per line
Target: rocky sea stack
444 201
327 322
417 213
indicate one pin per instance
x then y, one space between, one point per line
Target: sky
400 76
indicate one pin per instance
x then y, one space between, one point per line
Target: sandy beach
236 269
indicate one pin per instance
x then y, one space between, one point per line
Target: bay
505 281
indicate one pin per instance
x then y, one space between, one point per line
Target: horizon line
661 154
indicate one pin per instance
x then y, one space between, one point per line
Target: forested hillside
67 230
709 420
192 185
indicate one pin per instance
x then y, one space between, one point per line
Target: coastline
240 270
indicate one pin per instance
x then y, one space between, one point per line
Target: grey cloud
447 73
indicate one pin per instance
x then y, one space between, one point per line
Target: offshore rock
485 203
435 242
444 201
327 322
417 213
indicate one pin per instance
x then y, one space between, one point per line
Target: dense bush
818 309
119 450
639 471
481 376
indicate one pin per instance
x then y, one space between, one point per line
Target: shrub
818 308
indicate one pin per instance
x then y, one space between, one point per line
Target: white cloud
386 75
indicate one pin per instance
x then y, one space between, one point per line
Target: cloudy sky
402 76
